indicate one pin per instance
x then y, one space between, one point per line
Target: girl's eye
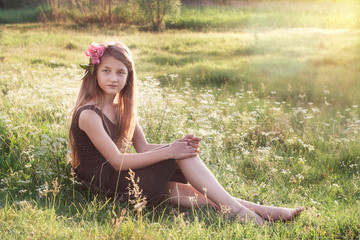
106 71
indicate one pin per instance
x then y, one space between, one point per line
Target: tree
152 12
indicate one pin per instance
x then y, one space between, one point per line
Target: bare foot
282 214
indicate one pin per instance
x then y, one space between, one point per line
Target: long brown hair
125 100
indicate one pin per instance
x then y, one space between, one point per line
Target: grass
277 109
308 61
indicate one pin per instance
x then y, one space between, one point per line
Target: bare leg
272 213
183 195
204 182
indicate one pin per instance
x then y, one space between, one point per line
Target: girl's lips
113 86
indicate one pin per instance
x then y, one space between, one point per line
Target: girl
104 126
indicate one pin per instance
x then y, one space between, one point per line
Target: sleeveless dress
95 172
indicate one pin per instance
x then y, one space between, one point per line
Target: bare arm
140 143
92 125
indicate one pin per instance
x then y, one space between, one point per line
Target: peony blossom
95 52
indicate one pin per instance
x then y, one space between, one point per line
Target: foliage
258 14
80 12
152 12
22 15
13 4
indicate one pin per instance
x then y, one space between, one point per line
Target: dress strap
108 125
91 107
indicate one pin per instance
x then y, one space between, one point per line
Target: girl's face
111 75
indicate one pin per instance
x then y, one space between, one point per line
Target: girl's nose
113 78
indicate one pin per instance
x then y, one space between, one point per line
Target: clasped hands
191 140
185 147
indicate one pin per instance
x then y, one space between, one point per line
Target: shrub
19 15
13 4
152 12
80 12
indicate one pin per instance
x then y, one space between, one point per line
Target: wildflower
292 179
327 92
194 198
172 76
302 161
312 200
224 209
315 109
139 206
300 176
246 152
276 109
326 103
185 214
20 181
23 203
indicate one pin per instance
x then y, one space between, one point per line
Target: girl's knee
187 160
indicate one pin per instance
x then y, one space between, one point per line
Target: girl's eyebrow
106 66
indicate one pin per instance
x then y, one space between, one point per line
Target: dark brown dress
95 171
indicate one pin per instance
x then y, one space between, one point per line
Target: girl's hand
180 149
191 140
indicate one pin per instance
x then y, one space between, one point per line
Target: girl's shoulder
95 109
87 105
91 107
81 115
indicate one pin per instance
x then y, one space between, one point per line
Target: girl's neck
106 103
108 106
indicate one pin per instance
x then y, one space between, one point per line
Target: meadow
277 108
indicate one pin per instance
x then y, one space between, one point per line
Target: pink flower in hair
95 52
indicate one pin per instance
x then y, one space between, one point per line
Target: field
277 106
